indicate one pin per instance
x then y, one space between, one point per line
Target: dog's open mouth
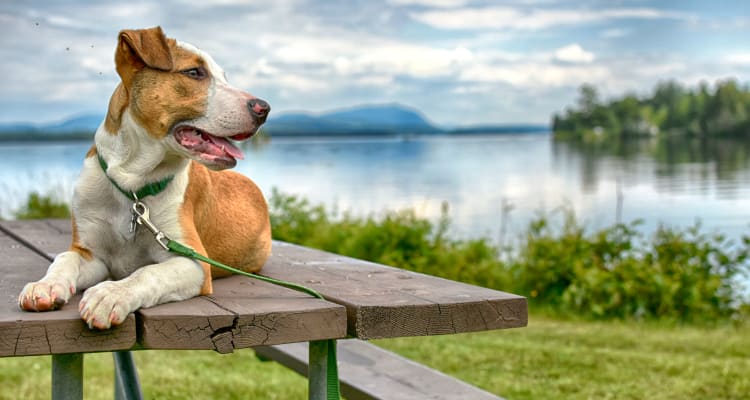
210 148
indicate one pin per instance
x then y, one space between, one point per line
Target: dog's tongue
210 147
227 147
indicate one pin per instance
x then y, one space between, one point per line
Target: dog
168 132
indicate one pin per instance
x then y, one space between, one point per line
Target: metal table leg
127 385
318 379
67 376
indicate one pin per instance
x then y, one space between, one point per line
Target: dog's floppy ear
139 48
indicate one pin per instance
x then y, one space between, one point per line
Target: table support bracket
67 376
127 384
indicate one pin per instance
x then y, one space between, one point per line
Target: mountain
372 120
78 127
86 122
386 119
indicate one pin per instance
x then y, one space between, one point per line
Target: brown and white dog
171 116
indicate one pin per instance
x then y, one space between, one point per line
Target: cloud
738 58
574 54
614 33
499 18
429 3
537 75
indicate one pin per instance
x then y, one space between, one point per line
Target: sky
460 62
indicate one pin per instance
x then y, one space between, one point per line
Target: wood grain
387 302
241 313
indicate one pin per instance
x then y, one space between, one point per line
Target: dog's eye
197 73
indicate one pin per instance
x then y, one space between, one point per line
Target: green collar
151 189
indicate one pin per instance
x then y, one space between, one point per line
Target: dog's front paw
45 296
106 305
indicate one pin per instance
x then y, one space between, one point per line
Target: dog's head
180 96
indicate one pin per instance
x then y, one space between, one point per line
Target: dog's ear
139 48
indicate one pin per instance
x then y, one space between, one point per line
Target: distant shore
35 136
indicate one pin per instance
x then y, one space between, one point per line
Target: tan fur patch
117 104
160 99
225 213
92 151
76 243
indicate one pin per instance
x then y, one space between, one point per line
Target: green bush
614 272
41 206
397 238
680 275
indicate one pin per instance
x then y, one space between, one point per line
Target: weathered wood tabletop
367 299
363 300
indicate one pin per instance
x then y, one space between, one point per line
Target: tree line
672 109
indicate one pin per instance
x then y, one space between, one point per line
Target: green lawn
553 359
550 359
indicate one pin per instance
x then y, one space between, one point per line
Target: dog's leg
67 273
110 302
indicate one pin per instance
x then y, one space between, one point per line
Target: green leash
141 217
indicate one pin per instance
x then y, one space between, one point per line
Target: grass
163 375
550 359
553 359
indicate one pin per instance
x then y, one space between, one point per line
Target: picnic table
363 300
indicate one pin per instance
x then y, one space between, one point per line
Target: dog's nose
259 109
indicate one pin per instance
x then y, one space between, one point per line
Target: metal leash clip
141 211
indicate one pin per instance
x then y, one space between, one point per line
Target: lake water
674 183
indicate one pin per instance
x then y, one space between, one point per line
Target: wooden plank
241 313
46 237
387 302
370 372
57 332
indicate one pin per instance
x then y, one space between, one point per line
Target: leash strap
333 386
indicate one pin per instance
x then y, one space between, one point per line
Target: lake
492 183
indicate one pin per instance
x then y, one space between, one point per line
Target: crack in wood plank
223 338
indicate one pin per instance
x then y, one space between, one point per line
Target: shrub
397 238
41 206
615 272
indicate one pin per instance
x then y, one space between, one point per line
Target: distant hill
370 120
78 127
388 119
88 122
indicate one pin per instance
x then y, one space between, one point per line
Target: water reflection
674 165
